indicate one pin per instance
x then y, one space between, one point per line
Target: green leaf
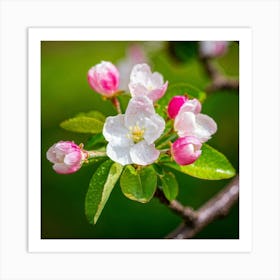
95 142
139 184
100 188
185 89
92 114
84 124
211 165
169 185
179 89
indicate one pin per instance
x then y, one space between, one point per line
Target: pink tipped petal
61 168
200 126
120 154
144 154
144 82
186 150
156 94
175 104
191 105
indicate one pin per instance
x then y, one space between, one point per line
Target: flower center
136 133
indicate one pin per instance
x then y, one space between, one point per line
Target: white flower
131 135
189 122
145 83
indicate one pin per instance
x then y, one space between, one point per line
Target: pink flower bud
66 156
186 150
104 78
175 104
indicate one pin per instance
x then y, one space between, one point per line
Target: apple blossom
186 150
66 156
131 135
144 82
213 48
104 78
189 122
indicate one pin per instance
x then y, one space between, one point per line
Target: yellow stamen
136 133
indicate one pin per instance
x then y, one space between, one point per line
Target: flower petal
206 126
140 74
191 105
51 154
137 110
154 126
120 154
73 158
115 132
158 92
185 124
144 82
156 80
62 168
138 90
144 154
200 126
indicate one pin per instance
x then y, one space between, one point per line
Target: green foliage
100 188
139 184
95 142
91 122
92 114
184 89
211 165
169 185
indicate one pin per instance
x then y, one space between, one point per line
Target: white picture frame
16 262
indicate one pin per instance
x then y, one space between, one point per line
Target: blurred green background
65 92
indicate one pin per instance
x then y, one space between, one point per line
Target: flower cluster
192 127
131 136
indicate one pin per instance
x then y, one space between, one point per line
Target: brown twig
216 207
218 80
185 212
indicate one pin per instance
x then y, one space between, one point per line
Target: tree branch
185 212
220 204
218 80
216 207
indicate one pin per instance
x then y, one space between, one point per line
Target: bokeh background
65 92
